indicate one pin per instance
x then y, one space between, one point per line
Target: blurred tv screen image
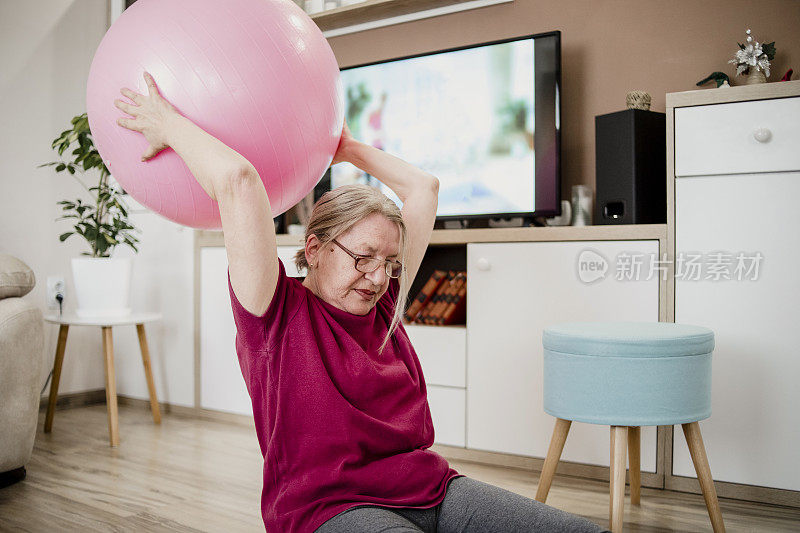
465 116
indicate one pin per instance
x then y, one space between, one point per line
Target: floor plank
190 475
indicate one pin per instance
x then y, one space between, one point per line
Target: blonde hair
342 208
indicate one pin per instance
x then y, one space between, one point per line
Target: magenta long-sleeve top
339 424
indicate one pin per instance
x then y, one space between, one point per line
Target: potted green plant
102 283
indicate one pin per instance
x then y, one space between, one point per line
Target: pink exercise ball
256 74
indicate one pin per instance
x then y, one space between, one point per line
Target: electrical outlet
55 285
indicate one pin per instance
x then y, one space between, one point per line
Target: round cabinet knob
483 264
762 135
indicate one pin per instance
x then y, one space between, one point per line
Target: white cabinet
222 386
753 434
515 291
484 381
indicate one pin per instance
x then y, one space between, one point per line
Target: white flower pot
102 286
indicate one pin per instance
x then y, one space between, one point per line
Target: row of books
442 300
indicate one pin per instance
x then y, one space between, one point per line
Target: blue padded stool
627 375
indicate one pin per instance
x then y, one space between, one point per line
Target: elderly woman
339 398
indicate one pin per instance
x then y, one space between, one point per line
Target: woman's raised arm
227 177
418 190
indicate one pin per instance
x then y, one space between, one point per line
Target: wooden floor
192 475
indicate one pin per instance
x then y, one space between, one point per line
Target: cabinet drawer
448 412
738 138
442 352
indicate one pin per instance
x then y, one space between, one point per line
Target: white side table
108 355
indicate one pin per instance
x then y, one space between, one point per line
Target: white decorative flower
751 55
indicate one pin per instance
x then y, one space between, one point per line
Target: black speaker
631 156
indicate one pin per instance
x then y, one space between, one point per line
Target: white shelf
622 232
377 13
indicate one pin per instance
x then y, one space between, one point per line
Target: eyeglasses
370 264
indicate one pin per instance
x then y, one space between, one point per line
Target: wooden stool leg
59 361
634 464
616 505
111 386
698 451
557 441
148 372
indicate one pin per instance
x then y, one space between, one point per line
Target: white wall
46 49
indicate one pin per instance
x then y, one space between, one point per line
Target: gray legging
469 506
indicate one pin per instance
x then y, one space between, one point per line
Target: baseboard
98 396
166 408
75 399
191 412
534 464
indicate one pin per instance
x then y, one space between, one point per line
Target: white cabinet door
222 386
753 435
515 291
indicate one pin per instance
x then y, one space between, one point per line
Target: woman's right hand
152 116
346 142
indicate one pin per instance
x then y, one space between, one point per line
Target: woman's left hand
345 142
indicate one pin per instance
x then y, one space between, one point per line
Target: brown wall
609 47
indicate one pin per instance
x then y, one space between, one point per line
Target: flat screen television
484 119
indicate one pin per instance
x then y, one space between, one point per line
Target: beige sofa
21 349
